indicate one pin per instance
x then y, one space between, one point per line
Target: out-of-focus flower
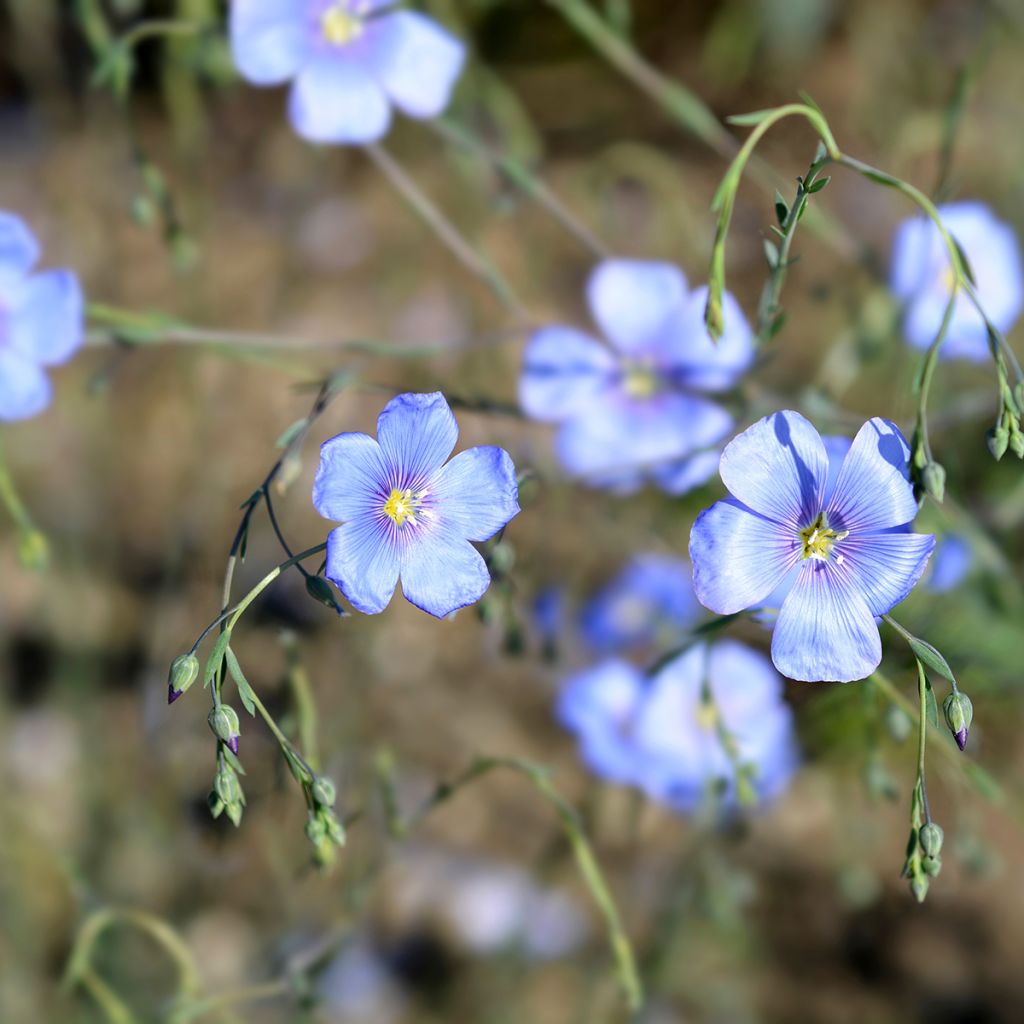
664 736
351 60
41 321
921 276
407 514
652 596
633 408
849 549
950 564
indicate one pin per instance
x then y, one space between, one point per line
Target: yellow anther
640 380
707 715
818 539
339 26
401 506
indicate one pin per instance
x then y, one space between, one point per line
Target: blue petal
564 371
952 562
24 388
778 467
46 322
415 60
686 474
336 100
836 447
270 39
442 573
477 492
19 249
826 631
352 478
633 300
416 433
872 491
886 566
917 256
363 559
738 557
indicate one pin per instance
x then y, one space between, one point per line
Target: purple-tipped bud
184 671
959 713
223 721
233 745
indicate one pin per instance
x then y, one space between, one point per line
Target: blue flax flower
651 597
951 564
407 514
350 60
662 735
633 408
921 276
845 548
41 322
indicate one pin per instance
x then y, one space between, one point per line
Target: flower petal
415 60
632 300
24 388
442 573
46 322
952 562
564 371
825 631
886 566
19 249
872 492
336 100
270 39
686 474
738 556
363 559
778 467
352 478
477 492
416 433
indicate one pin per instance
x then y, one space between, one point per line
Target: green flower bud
933 476
959 713
215 804
998 440
315 831
223 721
932 866
184 672
919 887
1017 444
333 827
324 791
227 786
930 838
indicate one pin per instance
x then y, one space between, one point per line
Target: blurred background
192 198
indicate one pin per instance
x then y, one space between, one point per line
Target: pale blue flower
407 513
950 564
41 321
634 408
847 545
922 277
350 61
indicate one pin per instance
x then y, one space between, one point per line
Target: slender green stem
198 1008
922 738
12 500
239 609
157 27
931 360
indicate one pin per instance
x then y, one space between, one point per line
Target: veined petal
738 556
352 478
336 100
825 631
873 492
442 573
417 433
886 566
632 300
19 249
363 559
778 467
564 370
415 60
477 493
270 39
45 323
24 388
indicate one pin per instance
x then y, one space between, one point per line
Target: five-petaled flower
847 543
664 734
350 61
41 321
922 277
407 514
634 409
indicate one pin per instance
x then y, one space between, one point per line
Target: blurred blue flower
41 321
407 514
632 409
921 276
848 547
950 564
661 735
651 597
350 61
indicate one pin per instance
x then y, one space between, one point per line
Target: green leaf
292 432
930 657
818 185
755 117
931 708
244 689
771 253
781 209
216 658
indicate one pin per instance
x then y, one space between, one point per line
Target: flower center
707 715
339 26
402 506
818 539
947 279
640 379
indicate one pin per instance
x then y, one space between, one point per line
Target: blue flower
951 564
41 322
350 61
632 409
652 596
847 545
660 734
407 514
922 277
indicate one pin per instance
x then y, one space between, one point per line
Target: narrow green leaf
930 657
244 689
771 253
781 209
292 432
818 185
216 658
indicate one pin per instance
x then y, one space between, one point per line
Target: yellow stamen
707 715
947 279
818 539
339 26
640 380
401 506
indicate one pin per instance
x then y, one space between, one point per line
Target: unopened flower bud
933 476
932 866
223 721
227 786
998 440
184 671
1017 444
959 714
315 831
919 887
930 838
320 590
324 791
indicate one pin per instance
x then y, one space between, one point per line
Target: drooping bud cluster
184 672
227 795
323 828
224 723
